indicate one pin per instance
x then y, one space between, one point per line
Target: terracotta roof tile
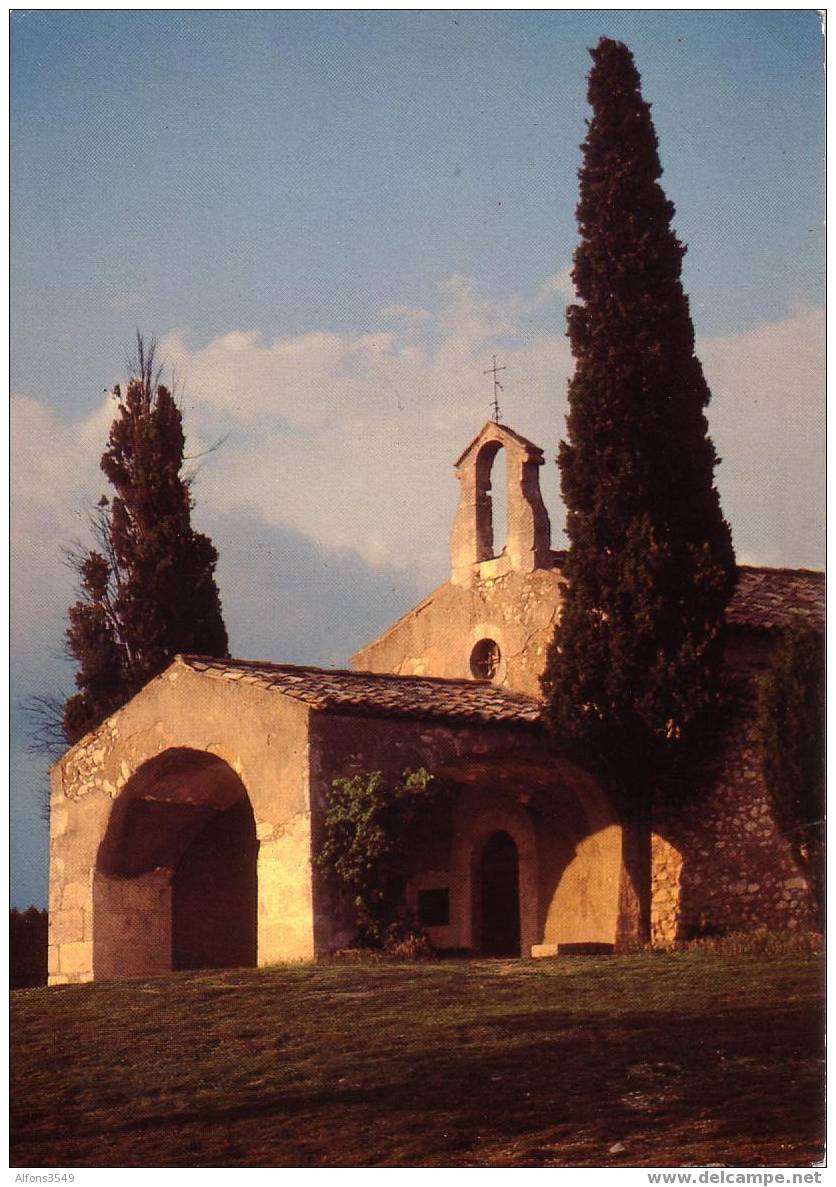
377 695
769 599
765 599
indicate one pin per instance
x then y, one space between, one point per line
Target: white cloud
55 480
560 284
350 439
767 422
411 315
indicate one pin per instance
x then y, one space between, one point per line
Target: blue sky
331 220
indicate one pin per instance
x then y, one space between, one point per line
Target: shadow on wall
720 863
214 894
176 874
534 859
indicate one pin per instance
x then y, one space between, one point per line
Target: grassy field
650 1060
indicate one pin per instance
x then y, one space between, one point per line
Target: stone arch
569 844
480 812
175 880
256 738
491 501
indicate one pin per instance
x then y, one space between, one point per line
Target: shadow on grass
530 1084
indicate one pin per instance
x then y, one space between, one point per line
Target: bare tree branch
46 716
193 457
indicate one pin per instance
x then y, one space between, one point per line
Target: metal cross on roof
497 388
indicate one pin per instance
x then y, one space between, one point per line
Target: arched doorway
175 884
499 897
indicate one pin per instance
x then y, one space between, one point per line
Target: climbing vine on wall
369 826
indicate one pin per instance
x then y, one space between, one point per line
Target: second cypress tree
633 673
149 590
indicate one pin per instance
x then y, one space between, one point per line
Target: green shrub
406 940
369 826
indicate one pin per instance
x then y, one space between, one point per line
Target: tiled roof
769 599
377 695
765 599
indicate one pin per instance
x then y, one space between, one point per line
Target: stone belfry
495 616
528 543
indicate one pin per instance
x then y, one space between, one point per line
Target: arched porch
535 859
175 883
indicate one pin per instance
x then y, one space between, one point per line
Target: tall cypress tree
148 591
633 672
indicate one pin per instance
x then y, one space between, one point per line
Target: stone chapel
183 829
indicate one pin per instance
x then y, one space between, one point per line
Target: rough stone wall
135 917
719 863
517 610
261 736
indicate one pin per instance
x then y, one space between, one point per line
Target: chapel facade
184 830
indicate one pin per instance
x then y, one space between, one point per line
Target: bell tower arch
528 532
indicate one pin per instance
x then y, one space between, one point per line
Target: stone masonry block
75 894
67 926
76 958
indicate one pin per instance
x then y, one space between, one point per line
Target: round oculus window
484 659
